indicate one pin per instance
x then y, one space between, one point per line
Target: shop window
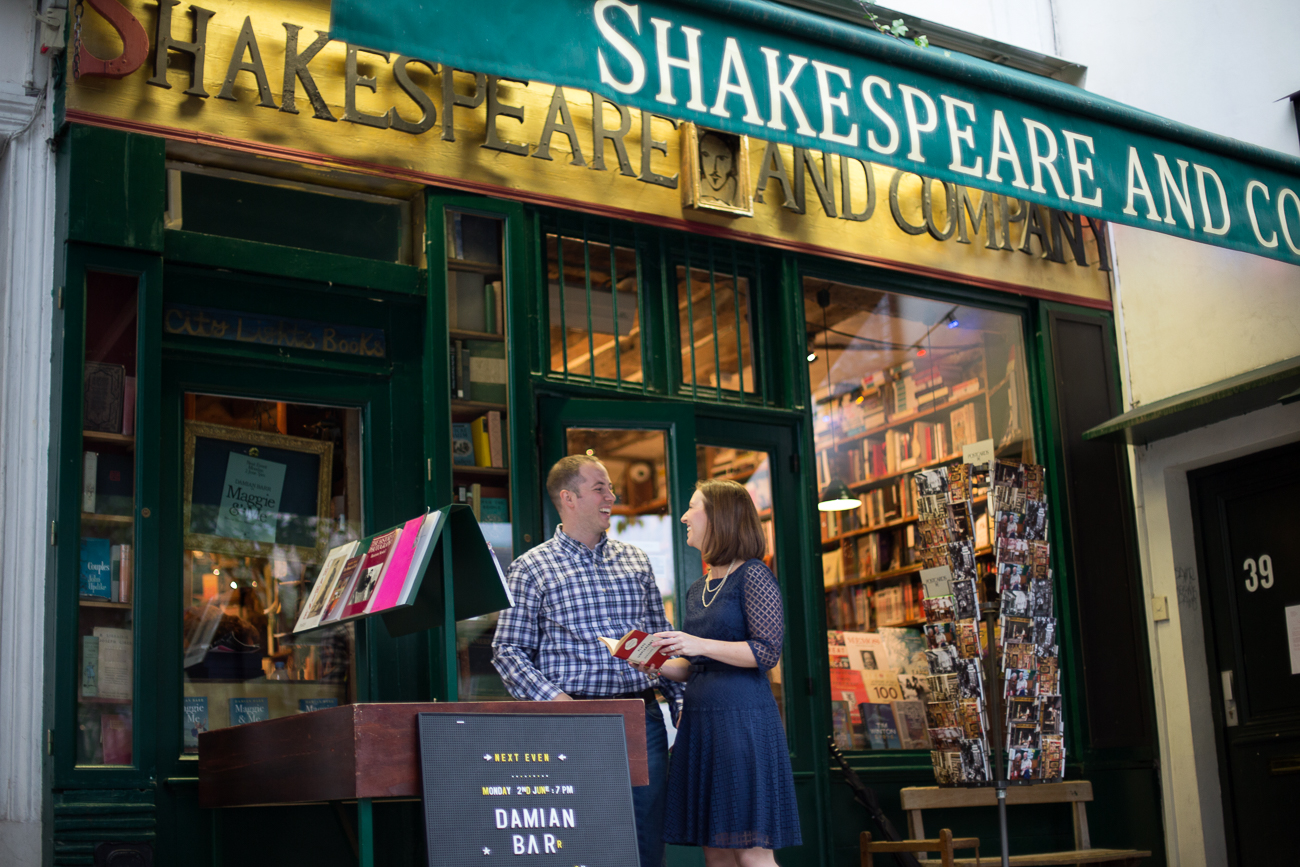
715 323
247 570
753 470
899 384
476 304
235 205
594 310
106 593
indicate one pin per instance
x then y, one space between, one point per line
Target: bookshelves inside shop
908 417
105 617
478 347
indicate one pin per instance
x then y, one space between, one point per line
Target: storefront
348 258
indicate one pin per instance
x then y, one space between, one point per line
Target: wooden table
359 752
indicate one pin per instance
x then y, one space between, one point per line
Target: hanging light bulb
836 496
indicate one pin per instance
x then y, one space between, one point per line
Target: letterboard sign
524 789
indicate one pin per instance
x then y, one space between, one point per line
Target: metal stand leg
997 737
366 832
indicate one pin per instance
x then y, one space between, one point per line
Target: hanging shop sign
757 68
266 79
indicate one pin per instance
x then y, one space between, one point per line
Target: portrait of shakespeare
719 169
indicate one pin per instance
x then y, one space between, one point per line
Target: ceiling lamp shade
836 497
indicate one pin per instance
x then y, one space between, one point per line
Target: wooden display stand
359 752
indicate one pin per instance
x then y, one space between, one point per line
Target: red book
636 647
115 735
342 590
370 574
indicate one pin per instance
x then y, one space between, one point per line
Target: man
571 589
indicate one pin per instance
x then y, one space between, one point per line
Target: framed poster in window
248 492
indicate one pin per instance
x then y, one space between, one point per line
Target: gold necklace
714 590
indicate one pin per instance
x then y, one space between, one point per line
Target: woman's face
696 521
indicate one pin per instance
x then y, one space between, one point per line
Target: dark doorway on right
1247 521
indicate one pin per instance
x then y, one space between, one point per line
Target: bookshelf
910 382
478 344
105 652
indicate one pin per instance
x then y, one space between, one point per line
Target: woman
730 789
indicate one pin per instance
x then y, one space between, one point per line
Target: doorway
1246 513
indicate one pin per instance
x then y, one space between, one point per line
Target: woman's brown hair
735 533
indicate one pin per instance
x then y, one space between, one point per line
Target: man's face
715 162
591 503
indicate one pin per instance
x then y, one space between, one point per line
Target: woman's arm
737 653
676 670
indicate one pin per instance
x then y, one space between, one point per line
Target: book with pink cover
115 736
371 573
399 567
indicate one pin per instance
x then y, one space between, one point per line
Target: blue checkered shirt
567 596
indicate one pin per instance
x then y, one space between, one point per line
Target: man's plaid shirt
567 596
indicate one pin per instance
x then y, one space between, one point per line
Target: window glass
593 312
106 585
899 384
248 568
715 327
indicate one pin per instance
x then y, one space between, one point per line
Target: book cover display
1023 651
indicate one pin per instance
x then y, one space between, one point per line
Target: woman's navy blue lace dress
729 785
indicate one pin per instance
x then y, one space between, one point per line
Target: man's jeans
648 801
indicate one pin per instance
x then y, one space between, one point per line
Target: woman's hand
681 643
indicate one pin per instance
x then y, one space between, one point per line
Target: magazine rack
361 753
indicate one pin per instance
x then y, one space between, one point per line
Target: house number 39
1259 573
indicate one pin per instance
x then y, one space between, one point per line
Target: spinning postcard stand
994 671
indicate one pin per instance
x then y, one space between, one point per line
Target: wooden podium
359 752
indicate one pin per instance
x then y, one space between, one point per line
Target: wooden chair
944 845
1076 793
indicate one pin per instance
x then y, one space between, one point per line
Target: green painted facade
112 188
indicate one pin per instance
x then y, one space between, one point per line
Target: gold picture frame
725 186
308 467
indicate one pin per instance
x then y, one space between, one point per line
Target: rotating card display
962 656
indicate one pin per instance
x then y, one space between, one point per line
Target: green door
266 463
655 452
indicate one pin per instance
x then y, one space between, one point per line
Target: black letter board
521 789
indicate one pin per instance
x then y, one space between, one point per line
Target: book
635 647
195 714
307 705
482 445
115 737
399 566
462 445
879 726
487 370
341 591
126 570
248 710
490 307
909 718
96 568
315 607
103 399
496 451
89 469
114 484
115 582
494 510
457 382
89 666
371 573
128 406
116 662
420 558
468 291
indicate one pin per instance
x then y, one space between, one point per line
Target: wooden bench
1077 793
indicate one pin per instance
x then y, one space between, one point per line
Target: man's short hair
565 475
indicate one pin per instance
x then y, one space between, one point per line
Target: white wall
26 249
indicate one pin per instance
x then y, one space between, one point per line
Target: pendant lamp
836 496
